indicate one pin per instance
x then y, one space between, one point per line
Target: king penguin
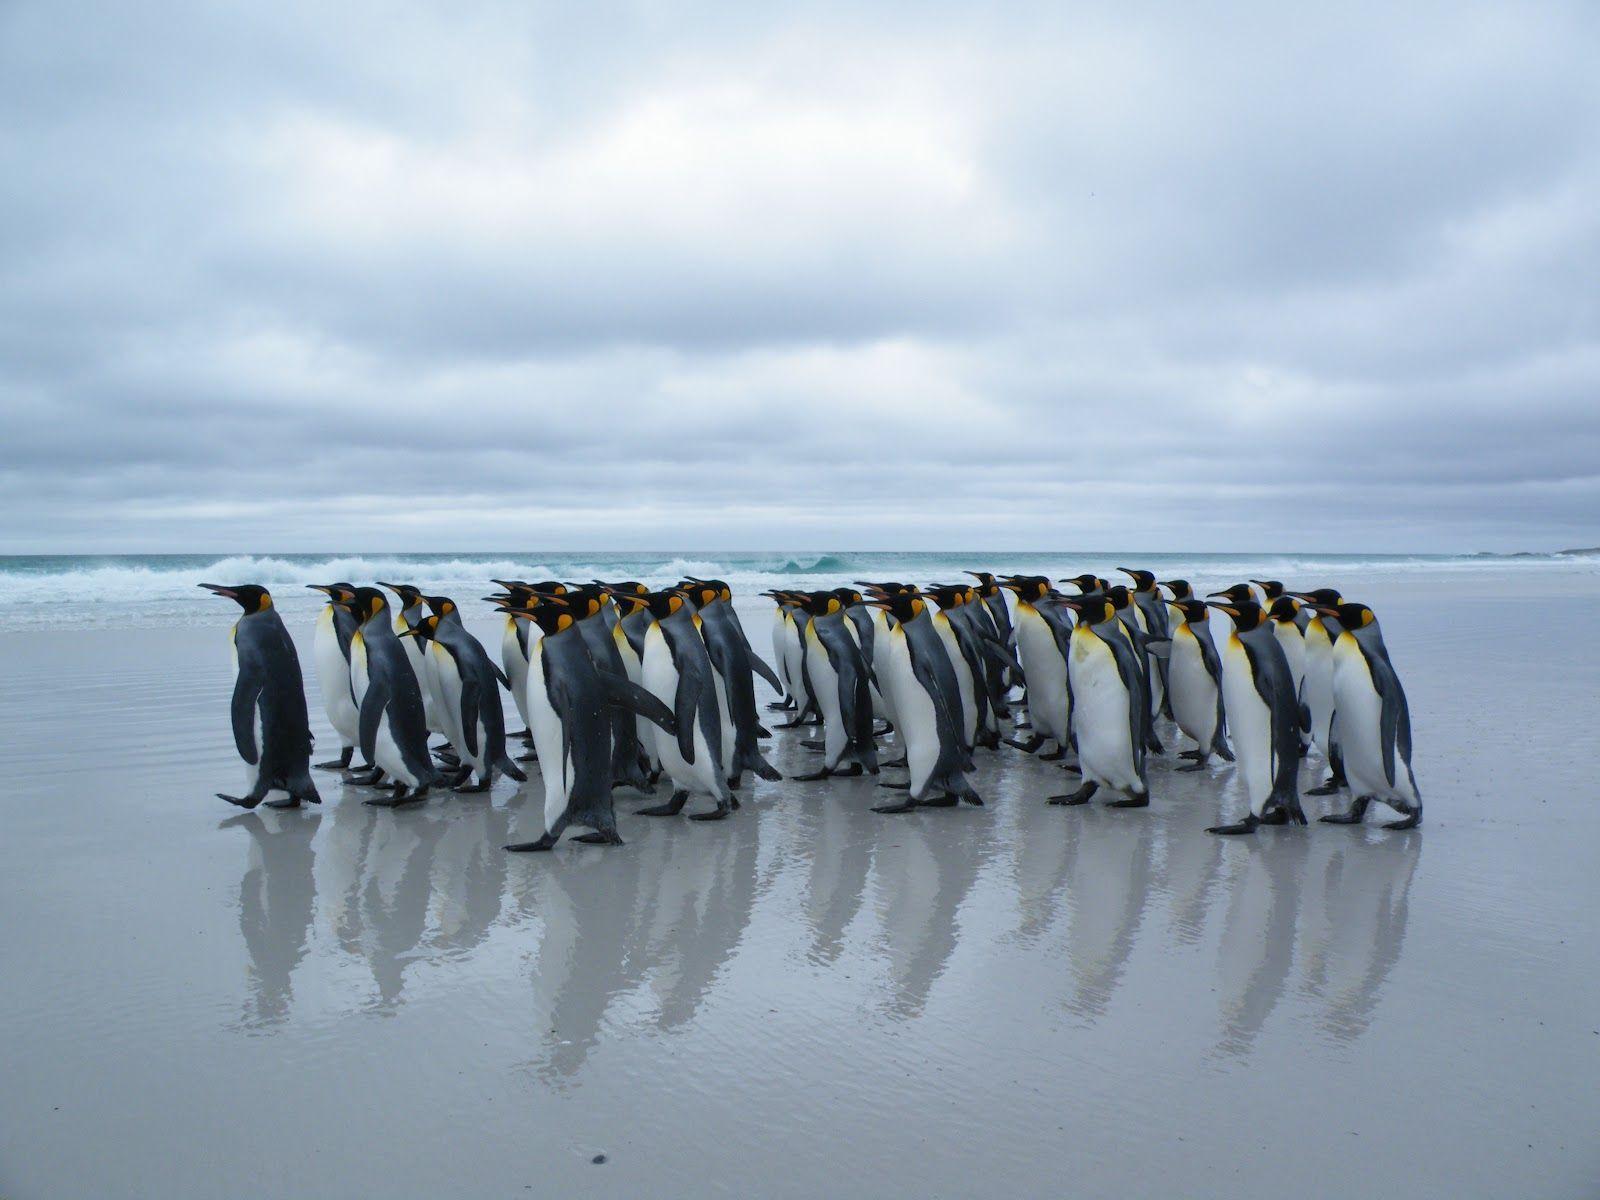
677 671
413 608
331 654
570 700
1194 683
838 677
914 671
394 732
270 726
1110 716
736 666
1374 721
1043 633
1263 719
1321 632
1284 613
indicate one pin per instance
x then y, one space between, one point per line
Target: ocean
43 591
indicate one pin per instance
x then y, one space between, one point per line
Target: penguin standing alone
270 725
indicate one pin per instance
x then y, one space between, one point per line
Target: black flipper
621 692
685 705
469 715
372 706
246 694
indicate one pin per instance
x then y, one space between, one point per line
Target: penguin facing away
735 665
570 703
1263 719
271 728
1194 684
469 691
1321 632
1374 721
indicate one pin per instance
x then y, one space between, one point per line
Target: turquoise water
159 589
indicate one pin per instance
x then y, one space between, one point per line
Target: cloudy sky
478 275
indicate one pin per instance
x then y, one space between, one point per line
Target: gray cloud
486 275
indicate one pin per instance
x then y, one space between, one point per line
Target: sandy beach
808 999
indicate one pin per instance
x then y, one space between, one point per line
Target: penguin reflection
1111 880
1357 907
706 891
924 875
839 842
1191 868
1257 948
276 897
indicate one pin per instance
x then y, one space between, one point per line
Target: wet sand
809 998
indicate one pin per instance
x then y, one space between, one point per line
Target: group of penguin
619 685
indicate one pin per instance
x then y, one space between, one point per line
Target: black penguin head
1194 611
987 585
1239 593
367 603
251 597
822 604
1032 588
630 587
1119 596
1270 588
1087 583
410 597
1350 615
849 596
1143 581
705 591
1321 598
1179 588
442 606
1283 609
1246 614
950 595
424 629
902 606
335 591
550 612
1093 608
584 602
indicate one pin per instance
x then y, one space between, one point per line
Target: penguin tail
511 769
756 763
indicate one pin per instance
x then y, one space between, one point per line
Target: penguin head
705 591
661 604
367 603
1270 588
423 630
410 597
1239 593
987 585
1283 609
1350 615
1119 596
1087 583
1321 598
822 604
1246 614
1194 611
582 602
1179 588
335 591
251 597
902 606
1093 608
631 587
442 606
950 595
1143 581
849 596
1031 588
550 612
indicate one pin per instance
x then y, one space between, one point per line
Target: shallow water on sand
808 998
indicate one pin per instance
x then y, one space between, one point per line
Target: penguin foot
781 706
894 762
1081 796
1191 754
468 789
908 806
239 801
813 776
1410 821
531 756
765 770
735 782
1072 768
1274 816
286 802
716 814
369 780
897 787
1323 789
852 769
1195 766
543 843
972 798
671 808
939 802
812 744
1344 818
1027 747
1248 825
598 838
1131 802
340 763
401 796
1055 755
